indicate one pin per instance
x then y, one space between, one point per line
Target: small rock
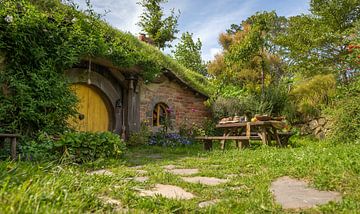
322 121
205 180
318 130
183 171
208 203
100 172
313 124
167 191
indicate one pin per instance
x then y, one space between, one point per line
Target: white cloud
124 14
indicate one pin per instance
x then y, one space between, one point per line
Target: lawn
27 187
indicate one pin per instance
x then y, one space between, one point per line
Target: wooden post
13 148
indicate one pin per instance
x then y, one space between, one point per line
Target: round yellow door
93 114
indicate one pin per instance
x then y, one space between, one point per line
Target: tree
318 43
249 54
161 30
188 53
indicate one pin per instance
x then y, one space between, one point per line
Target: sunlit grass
27 187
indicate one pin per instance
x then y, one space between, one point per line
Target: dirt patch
183 171
295 194
167 191
205 180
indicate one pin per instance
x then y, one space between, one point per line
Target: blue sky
205 18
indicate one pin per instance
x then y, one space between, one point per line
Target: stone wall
319 127
186 104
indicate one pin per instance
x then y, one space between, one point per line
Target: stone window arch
161 113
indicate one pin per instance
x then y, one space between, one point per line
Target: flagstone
205 180
167 191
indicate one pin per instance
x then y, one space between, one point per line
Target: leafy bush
275 102
345 114
80 147
140 138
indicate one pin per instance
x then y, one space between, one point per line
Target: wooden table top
257 123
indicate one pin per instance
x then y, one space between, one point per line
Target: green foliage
345 114
141 137
161 30
50 188
188 53
311 95
316 44
81 147
38 43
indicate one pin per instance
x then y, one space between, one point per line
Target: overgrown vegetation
39 42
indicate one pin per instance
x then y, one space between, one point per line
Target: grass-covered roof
123 49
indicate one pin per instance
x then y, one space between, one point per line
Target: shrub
80 147
141 137
345 114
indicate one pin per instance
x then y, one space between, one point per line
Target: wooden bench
13 139
242 141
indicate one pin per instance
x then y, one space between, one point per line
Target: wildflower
193 110
169 110
9 19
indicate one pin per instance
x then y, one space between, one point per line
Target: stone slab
184 171
100 172
295 194
208 203
169 167
205 180
168 191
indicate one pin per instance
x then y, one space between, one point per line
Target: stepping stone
100 172
208 203
113 202
141 179
136 167
141 172
183 171
295 194
205 180
167 191
169 167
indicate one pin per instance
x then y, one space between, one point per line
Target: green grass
51 188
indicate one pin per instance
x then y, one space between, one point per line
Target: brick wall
185 103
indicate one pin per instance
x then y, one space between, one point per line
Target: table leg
13 148
264 136
208 145
222 142
276 136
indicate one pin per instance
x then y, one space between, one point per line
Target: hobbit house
118 100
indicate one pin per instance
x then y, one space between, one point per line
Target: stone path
100 172
208 203
205 180
183 171
167 191
295 194
141 179
169 167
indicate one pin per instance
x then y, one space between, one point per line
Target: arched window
160 114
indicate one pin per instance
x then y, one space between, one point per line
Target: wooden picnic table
242 132
259 130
